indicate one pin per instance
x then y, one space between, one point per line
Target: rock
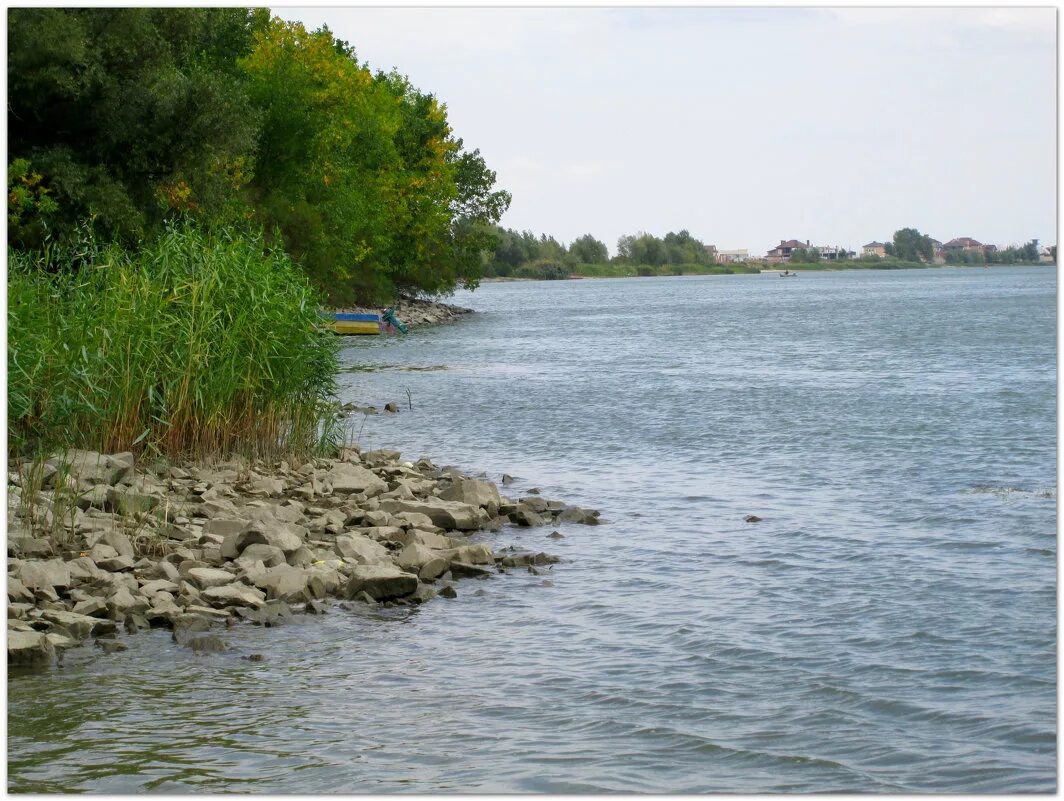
445 514
39 574
269 555
206 577
135 623
347 478
477 554
475 492
285 583
365 598
423 593
556 535
525 516
159 585
115 564
301 557
224 526
448 592
17 591
507 479
381 457
89 467
315 607
234 595
111 646
117 540
29 648
537 505
466 570
528 558
80 626
414 520
60 641
574 514
752 519
361 550
93 607
427 563
127 502
286 536
123 603
381 582
254 658
36 547
391 407
207 644
266 487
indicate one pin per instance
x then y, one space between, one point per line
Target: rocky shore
100 544
417 312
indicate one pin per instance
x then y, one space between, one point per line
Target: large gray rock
284 582
269 555
361 550
445 514
123 603
427 563
574 514
286 536
127 501
475 492
40 574
380 582
207 577
349 478
224 526
29 648
234 595
79 626
477 554
89 467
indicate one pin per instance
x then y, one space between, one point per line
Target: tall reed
199 344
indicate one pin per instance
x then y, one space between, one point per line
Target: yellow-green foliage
197 344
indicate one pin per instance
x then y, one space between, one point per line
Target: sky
746 126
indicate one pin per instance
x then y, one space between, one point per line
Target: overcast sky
745 126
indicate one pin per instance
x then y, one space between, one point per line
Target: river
888 626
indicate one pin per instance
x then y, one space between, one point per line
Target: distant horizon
743 126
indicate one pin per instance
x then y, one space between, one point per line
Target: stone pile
416 312
96 543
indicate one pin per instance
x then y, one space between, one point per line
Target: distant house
831 253
965 243
782 252
877 249
711 251
733 256
1046 256
938 255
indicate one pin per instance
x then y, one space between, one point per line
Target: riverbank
101 544
417 311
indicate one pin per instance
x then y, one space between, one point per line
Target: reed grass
199 344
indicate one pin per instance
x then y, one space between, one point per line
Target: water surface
888 626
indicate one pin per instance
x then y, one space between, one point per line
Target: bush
198 344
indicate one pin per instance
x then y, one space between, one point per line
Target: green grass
200 344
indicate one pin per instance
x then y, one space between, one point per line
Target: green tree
910 245
588 250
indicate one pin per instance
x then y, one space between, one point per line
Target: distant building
965 243
877 249
831 253
733 256
1046 256
782 252
711 251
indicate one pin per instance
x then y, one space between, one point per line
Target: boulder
427 563
574 514
234 595
79 626
361 550
525 559
92 607
17 591
29 648
477 554
525 516
347 478
284 582
286 536
123 603
49 573
465 570
207 644
125 501
380 582
475 492
89 467
224 526
269 555
206 577
442 513
115 564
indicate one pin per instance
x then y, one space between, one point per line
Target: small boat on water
788 274
348 323
351 323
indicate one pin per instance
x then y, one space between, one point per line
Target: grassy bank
197 344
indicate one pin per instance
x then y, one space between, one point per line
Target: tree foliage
128 117
909 244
